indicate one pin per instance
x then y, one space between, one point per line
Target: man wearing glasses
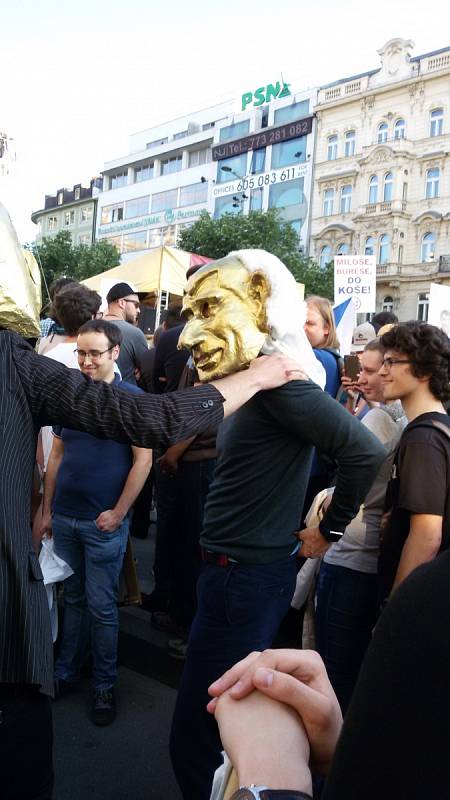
90 485
416 370
123 310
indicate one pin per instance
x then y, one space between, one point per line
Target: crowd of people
342 464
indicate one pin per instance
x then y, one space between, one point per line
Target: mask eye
205 310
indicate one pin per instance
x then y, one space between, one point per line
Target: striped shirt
37 391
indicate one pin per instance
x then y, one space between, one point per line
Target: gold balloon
226 323
20 283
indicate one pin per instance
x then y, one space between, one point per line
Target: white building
231 157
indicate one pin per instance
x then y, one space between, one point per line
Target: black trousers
26 739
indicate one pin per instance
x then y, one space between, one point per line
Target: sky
77 78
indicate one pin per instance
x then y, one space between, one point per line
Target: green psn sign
265 94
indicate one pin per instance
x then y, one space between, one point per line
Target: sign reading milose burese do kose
355 277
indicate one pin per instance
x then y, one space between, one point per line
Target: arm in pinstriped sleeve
58 395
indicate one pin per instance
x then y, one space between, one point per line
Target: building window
428 249
86 213
234 131
256 199
284 195
164 200
85 240
52 223
206 126
77 193
144 173
170 165
332 148
373 189
350 143
286 153
369 249
180 135
193 194
226 205
346 199
328 200
291 113
436 122
399 129
384 249
231 168
432 183
382 132
118 180
388 187
422 307
199 157
325 256
400 254
112 213
69 217
60 199
342 249
258 163
156 143
134 241
405 192
137 207
388 304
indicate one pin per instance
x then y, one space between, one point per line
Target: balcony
386 207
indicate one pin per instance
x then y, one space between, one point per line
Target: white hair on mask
286 312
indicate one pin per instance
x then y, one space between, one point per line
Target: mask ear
258 293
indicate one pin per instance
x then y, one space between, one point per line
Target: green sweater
265 452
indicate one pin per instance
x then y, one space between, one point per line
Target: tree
58 257
259 229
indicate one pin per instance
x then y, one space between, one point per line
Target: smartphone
352 367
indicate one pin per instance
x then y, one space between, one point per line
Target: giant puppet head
20 284
240 306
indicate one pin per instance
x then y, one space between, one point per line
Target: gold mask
225 309
20 284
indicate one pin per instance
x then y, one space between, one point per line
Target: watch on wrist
329 535
254 792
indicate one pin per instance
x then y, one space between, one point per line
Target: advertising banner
439 308
355 278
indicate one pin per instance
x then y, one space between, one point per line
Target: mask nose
191 335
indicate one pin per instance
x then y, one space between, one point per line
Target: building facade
72 210
230 158
382 174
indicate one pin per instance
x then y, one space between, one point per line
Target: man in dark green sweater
252 516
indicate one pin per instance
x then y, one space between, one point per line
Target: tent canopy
164 269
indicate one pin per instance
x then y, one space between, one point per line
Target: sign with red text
355 278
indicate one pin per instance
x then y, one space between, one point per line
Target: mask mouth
206 360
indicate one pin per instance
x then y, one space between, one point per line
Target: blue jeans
90 597
347 605
239 609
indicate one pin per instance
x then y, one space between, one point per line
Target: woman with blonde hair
320 327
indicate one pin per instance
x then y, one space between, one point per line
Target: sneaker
177 648
103 707
162 621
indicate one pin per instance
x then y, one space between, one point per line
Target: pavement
128 760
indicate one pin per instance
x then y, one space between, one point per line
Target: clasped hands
290 724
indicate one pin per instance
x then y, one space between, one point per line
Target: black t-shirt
396 736
169 362
419 484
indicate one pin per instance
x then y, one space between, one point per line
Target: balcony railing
386 207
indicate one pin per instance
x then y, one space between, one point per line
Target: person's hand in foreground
297 678
313 544
265 741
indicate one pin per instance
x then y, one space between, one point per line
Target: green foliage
259 229
59 257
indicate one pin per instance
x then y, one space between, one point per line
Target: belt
220 559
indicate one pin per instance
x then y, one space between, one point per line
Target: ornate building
382 174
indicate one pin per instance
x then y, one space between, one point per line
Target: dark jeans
239 610
347 604
26 739
181 502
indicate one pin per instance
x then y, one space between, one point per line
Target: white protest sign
355 277
439 306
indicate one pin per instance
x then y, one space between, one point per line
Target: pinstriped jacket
37 391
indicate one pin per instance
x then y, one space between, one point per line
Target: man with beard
124 310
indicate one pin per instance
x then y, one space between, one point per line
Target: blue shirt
93 471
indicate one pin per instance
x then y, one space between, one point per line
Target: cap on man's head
118 291
362 335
